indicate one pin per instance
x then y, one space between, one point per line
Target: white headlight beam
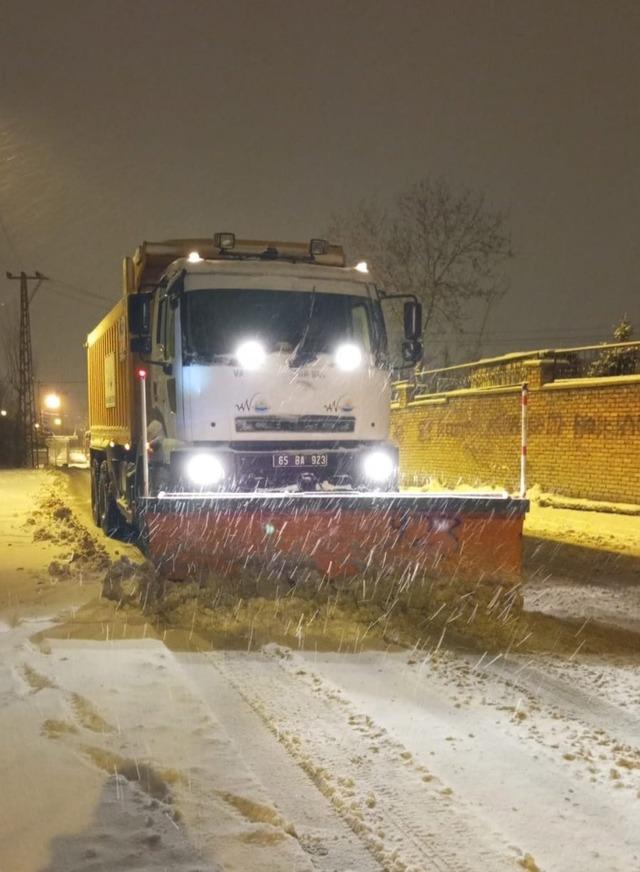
348 356
251 354
378 466
204 470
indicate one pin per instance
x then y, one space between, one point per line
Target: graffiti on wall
606 425
552 424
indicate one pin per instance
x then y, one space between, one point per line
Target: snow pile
430 614
365 613
53 521
82 554
598 531
127 582
556 501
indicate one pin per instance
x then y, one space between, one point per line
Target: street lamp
57 422
52 402
3 413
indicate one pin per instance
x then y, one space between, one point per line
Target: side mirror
139 314
412 351
412 320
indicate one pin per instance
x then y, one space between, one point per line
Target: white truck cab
268 369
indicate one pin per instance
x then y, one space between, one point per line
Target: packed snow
157 738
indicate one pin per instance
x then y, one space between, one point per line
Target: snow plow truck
239 404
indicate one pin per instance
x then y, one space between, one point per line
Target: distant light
348 356
362 267
112 444
3 412
52 402
37 426
57 422
127 447
194 257
251 354
142 374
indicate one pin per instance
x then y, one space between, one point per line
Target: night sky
121 121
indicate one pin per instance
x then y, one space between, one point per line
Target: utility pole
26 400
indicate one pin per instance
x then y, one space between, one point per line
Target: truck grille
296 424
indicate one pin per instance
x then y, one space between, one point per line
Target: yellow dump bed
110 380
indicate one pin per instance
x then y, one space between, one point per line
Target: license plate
308 460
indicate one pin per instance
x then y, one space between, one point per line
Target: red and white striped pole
524 397
144 456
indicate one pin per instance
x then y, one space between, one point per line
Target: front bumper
251 468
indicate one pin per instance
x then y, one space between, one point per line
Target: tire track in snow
571 699
322 832
407 819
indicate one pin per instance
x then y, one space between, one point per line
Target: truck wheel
95 503
110 519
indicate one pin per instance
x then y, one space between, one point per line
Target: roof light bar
224 240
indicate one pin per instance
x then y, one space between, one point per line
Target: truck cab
235 366
267 370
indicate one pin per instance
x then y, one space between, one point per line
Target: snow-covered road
118 753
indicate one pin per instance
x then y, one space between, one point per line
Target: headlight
250 354
204 470
348 356
378 466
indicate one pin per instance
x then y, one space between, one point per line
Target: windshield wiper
300 355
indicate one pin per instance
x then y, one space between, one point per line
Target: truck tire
110 518
95 501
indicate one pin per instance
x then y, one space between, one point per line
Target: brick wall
584 436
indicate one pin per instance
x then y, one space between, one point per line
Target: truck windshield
216 321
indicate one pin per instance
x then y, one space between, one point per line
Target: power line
81 291
507 335
77 299
542 331
62 381
539 341
547 331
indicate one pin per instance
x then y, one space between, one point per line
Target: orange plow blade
467 537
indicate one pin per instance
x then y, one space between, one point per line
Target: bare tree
444 246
